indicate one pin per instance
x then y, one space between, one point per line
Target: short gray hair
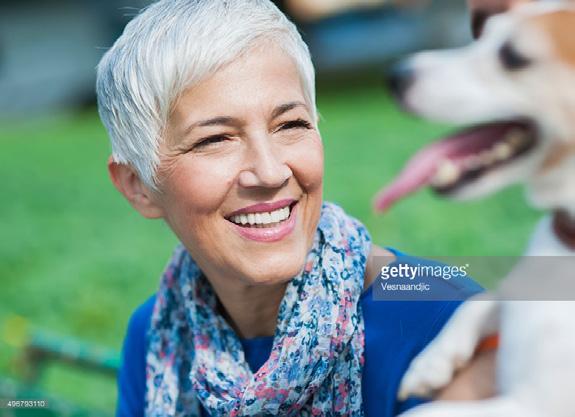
170 46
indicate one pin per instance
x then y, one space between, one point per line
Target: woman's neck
251 310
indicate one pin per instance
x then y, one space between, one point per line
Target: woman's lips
269 233
263 207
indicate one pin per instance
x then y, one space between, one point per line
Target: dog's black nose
399 78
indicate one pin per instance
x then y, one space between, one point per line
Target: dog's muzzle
399 78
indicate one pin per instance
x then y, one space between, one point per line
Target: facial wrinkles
255 138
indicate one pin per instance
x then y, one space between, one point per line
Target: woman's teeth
262 219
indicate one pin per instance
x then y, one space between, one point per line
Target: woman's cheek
308 164
203 183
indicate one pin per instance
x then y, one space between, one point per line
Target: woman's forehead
258 82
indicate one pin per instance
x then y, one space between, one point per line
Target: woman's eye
296 124
210 140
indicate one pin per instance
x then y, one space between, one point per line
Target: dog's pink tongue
421 168
416 175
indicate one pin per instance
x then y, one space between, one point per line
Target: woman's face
241 170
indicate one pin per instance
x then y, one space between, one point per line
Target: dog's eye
511 58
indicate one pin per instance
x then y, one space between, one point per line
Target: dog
516 88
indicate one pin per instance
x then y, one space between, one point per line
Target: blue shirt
395 332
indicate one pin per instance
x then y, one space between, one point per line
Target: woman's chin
269 263
272 271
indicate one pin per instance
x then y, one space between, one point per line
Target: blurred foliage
76 259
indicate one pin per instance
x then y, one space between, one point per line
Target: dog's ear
478 19
481 10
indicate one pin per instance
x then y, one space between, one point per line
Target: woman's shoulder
132 377
405 318
138 326
377 255
396 330
140 319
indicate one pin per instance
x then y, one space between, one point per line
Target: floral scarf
315 366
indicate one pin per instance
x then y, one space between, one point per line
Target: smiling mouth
461 159
263 219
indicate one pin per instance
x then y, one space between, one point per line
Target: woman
210 107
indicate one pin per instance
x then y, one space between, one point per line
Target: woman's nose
265 167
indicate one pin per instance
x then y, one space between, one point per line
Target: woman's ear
128 182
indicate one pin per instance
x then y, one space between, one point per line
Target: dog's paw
455 345
432 370
424 377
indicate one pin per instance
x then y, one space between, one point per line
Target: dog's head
516 88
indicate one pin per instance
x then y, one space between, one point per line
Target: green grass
76 259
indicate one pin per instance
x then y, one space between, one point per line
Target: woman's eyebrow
214 121
230 121
284 108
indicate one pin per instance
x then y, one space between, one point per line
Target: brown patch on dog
558 153
560 26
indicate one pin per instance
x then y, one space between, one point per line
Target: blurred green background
76 259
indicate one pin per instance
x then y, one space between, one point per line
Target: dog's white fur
536 358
